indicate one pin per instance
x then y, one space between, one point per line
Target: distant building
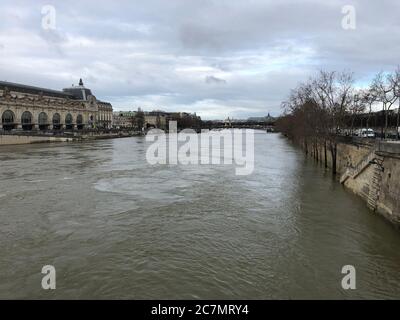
156 119
267 119
124 119
228 122
33 108
153 119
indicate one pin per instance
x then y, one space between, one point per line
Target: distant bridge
268 126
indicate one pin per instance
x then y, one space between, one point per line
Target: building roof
34 90
125 113
80 93
103 102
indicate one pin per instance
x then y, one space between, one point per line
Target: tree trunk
386 122
382 124
333 148
306 146
398 123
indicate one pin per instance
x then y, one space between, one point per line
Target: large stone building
32 108
154 119
124 119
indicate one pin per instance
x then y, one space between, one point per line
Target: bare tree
356 108
317 110
395 80
337 95
139 119
386 88
368 97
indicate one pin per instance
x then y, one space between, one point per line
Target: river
114 226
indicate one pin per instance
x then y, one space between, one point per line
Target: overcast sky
215 58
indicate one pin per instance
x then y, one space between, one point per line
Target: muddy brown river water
114 226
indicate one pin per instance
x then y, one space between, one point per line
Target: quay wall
352 153
14 139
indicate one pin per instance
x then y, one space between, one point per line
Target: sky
216 58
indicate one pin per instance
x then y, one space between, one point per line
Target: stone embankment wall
374 168
389 198
27 139
14 139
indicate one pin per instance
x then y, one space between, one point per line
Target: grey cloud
178 53
212 79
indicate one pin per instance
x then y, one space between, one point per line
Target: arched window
68 119
79 121
7 117
43 118
43 121
26 118
68 122
56 119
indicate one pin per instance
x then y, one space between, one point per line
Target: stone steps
375 184
374 192
359 168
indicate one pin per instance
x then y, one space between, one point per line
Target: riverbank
26 138
371 169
